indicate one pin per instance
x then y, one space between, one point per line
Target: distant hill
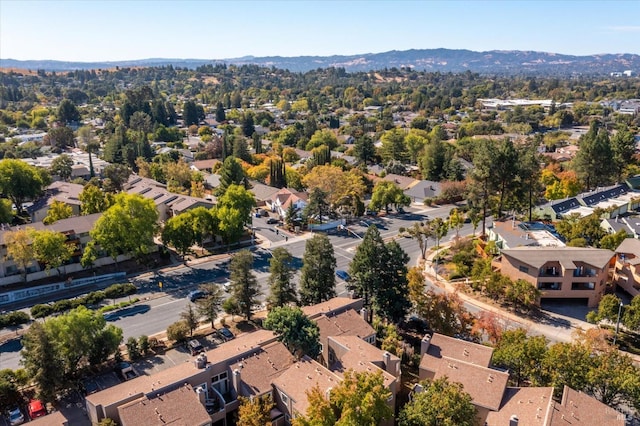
444 60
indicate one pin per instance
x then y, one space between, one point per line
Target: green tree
67 112
60 137
456 220
367 267
481 183
180 233
9 395
239 198
20 182
93 200
190 317
607 309
62 166
231 173
220 115
282 290
442 403
319 410
230 223
127 227
50 248
255 411
594 161
6 211
190 113
178 331
210 306
82 337
612 241
299 334
115 176
323 137
361 399
393 146
421 231
19 249
58 210
440 229
42 361
364 149
623 146
87 141
387 194
521 354
631 318
244 286
391 299
317 282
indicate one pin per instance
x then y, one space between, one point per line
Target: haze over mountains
444 60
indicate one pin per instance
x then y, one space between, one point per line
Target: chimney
513 420
392 366
236 379
202 395
424 344
365 314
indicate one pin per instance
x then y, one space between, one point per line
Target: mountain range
444 60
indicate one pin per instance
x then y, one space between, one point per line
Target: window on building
523 268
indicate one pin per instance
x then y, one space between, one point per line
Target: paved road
162 307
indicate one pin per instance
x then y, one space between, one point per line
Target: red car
36 409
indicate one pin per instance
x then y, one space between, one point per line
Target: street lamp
615 337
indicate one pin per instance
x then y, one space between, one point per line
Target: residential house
497 404
629 224
627 267
204 165
64 192
561 272
403 182
513 233
280 201
262 192
423 190
614 200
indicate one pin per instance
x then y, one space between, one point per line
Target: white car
16 417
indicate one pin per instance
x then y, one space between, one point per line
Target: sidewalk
560 328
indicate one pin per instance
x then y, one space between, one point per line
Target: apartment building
627 266
254 365
561 272
498 404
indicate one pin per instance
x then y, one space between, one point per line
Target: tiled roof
78 224
538 256
178 407
578 408
485 385
403 182
258 370
230 351
361 357
348 323
301 378
531 405
629 246
335 305
441 346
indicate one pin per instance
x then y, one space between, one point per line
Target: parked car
36 409
197 294
225 334
343 275
15 416
195 347
272 220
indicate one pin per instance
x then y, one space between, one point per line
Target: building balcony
583 286
544 286
550 272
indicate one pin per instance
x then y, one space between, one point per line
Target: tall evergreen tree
220 114
40 359
190 113
594 161
231 173
366 267
282 291
244 285
317 282
392 298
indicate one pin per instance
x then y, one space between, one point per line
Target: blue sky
93 30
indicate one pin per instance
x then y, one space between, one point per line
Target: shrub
143 345
178 331
62 306
41 311
133 348
14 318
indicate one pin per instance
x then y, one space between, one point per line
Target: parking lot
73 404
